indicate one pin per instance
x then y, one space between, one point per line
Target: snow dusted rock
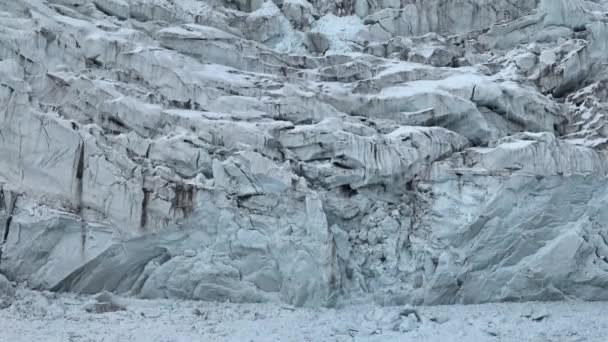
589 115
314 153
413 18
435 56
316 42
266 24
248 5
300 13
5 287
6 292
117 8
526 62
549 22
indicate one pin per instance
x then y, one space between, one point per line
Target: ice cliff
314 153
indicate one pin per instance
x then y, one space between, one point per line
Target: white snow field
49 317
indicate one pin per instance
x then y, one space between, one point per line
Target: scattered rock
258 316
407 311
439 319
201 313
491 331
105 302
105 307
540 315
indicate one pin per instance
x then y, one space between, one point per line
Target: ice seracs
313 153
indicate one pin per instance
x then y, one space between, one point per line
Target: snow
268 9
401 67
36 316
302 3
194 31
291 42
341 31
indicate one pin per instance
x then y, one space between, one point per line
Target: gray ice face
313 153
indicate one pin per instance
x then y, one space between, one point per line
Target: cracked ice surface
309 153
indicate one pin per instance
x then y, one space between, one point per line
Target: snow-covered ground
35 316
